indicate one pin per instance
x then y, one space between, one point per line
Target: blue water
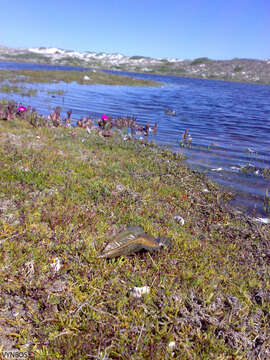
229 122
8 65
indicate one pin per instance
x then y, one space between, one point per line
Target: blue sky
186 29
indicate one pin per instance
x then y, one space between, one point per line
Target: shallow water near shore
229 123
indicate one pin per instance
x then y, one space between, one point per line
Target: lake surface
229 123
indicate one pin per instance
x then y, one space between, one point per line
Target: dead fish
164 241
132 240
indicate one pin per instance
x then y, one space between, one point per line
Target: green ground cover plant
82 77
55 92
62 193
18 90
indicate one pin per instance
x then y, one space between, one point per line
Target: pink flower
104 117
21 109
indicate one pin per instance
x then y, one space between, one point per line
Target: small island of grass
9 89
88 77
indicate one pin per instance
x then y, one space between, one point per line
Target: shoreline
90 68
250 208
241 201
87 77
189 77
63 192
163 73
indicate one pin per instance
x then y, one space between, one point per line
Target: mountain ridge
243 70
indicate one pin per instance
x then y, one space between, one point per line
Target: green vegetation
71 61
266 172
55 76
168 69
238 68
27 57
178 71
55 92
200 60
267 202
136 57
62 193
18 90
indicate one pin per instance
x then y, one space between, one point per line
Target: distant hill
244 70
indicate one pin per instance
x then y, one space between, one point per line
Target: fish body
129 241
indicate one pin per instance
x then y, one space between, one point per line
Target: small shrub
238 68
200 60
137 57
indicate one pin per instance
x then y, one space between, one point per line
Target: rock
138 292
56 264
171 345
205 190
179 219
263 220
217 169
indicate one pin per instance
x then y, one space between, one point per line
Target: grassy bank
18 90
62 193
82 77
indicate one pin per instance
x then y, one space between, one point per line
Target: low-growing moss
62 193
